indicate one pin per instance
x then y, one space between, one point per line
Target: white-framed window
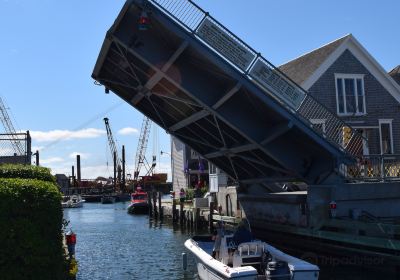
350 94
386 136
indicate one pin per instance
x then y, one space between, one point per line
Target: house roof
395 74
301 68
308 68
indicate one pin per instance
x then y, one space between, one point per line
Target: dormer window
350 94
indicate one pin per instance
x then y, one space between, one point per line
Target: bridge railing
260 71
373 168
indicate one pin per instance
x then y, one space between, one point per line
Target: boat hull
211 269
138 208
74 201
73 205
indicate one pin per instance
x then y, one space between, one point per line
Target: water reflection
115 245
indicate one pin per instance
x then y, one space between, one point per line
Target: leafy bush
26 172
189 194
30 223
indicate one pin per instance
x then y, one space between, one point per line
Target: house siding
380 104
178 162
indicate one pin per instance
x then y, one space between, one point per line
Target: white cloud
83 155
58 135
128 131
51 160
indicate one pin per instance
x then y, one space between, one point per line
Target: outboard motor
278 270
265 259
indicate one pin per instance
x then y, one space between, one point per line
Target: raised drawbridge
196 79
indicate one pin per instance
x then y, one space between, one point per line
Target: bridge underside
195 95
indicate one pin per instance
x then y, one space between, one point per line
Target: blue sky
48 50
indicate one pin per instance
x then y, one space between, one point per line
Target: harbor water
112 244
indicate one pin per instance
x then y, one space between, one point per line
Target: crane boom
8 126
111 142
142 146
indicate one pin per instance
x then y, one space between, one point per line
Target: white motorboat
249 260
74 201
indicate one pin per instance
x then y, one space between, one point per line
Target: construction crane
114 151
140 158
150 178
9 128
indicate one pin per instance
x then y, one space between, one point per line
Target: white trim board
365 58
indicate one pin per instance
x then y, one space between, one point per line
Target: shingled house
344 77
395 74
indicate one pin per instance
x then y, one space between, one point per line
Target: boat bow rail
211 90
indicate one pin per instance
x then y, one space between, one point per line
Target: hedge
30 222
26 172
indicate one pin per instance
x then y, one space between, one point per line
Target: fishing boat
74 201
139 202
249 260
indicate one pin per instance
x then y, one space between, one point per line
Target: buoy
184 261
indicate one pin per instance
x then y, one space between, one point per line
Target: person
217 237
182 195
242 234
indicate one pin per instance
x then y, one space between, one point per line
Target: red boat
139 202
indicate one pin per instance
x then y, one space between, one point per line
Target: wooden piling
191 218
197 219
155 204
211 216
181 216
173 210
159 206
149 202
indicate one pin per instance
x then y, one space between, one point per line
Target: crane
140 158
114 151
8 126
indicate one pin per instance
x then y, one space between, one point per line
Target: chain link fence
15 148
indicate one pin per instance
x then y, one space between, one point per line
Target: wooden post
159 206
173 210
181 215
154 194
180 212
211 215
197 218
37 157
149 201
191 218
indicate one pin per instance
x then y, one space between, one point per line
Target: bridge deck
204 85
